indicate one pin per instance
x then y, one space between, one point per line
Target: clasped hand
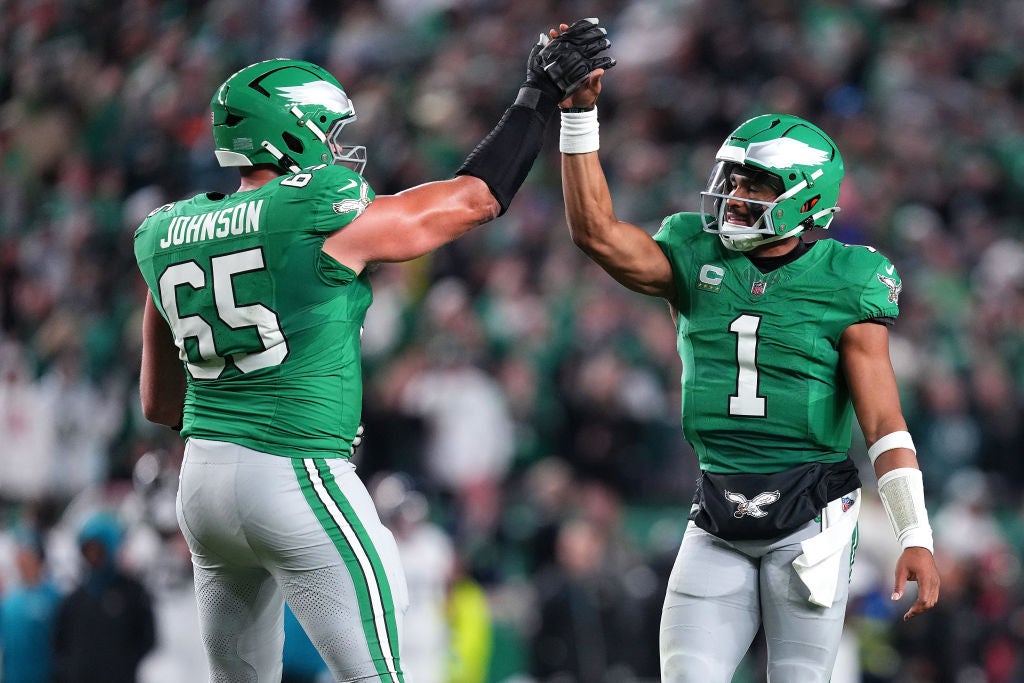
562 61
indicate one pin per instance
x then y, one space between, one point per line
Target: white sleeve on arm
902 494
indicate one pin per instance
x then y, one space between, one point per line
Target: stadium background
530 401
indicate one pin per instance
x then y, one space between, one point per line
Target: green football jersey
267 325
763 389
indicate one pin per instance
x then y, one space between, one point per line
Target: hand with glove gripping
562 60
558 64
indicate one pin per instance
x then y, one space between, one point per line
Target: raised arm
414 222
627 252
865 353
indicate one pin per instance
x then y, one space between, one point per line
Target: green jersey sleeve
676 232
881 294
337 195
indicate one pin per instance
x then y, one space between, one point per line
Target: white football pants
720 592
264 529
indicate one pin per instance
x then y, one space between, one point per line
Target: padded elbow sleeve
504 158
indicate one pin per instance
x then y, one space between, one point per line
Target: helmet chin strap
748 242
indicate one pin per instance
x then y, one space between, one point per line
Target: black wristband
504 158
575 110
535 98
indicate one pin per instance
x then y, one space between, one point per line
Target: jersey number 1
224 268
745 402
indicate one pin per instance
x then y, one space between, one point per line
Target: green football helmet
283 112
785 152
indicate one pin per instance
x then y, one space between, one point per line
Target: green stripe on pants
346 530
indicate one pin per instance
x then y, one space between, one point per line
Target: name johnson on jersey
236 220
266 323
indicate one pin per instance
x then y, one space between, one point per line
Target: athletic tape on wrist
889 442
902 494
579 132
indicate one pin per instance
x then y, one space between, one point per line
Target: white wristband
579 132
902 494
889 442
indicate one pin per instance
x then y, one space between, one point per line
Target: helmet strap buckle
285 161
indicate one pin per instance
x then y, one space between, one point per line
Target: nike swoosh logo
351 183
888 269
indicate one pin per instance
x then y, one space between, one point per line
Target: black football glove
557 67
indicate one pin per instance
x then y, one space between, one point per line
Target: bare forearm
414 222
876 424
431 215
624 251
875 395
895 459
162 377
588 203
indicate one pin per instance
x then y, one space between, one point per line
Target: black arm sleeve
504 158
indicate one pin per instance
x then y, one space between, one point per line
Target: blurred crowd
522 427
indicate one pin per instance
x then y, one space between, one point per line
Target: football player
261 296
783 341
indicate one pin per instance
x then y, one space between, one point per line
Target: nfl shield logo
757 289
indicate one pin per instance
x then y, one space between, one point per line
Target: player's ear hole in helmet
791 151
286 113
